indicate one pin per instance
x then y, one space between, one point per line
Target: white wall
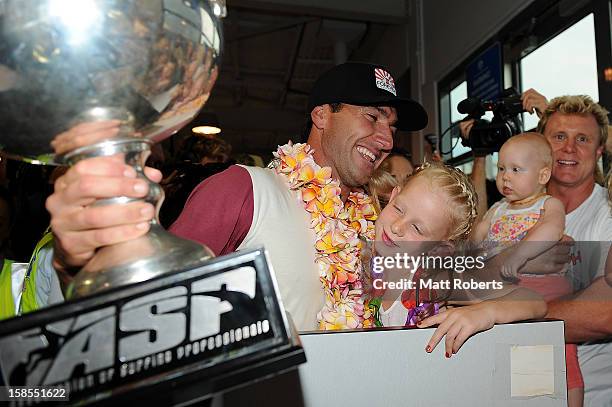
444 33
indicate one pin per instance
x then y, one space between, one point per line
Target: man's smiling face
356 140
574 139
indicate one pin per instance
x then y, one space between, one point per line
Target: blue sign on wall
485 74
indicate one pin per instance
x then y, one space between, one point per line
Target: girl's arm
458 324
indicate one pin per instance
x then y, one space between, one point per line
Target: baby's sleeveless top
511 225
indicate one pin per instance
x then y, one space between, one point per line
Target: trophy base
153 254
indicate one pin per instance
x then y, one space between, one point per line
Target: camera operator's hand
465 127
534 102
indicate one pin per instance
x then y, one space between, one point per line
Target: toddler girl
432 213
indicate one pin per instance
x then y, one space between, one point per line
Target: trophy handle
153 254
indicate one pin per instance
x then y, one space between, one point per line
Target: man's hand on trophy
85 134
79 228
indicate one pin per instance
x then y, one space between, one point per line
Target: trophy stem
157 252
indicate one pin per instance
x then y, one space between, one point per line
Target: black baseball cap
364 84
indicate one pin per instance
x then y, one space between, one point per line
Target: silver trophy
70 65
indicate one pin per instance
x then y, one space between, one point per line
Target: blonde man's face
574 140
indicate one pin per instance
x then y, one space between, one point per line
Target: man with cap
292 208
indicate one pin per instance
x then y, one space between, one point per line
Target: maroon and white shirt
244 207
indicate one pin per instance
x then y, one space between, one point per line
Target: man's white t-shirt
589 223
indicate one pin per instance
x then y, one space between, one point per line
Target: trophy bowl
150 64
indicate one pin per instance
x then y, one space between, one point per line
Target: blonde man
577 129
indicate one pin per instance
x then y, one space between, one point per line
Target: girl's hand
458 324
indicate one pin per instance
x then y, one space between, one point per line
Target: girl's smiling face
416 213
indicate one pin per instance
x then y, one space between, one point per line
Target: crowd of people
345 195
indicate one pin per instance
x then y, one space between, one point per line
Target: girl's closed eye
397 208
417 229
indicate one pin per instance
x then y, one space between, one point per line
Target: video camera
488 136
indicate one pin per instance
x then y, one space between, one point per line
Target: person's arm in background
479 179
587 314
478 175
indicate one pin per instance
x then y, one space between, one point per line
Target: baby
432 213
532 222
526 213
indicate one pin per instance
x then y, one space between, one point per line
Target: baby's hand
509 273
511 264
458 324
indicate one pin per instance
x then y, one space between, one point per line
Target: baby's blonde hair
461 194
537 144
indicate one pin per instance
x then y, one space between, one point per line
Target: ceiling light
206 123
206 130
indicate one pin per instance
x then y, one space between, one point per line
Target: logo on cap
384 80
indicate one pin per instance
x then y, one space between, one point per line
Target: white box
389 367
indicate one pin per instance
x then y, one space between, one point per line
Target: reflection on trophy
73 65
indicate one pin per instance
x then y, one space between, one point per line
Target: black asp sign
216 315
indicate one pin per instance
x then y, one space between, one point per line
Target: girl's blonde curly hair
460 192
380 186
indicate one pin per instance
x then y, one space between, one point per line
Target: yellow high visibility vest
28 297
7 303
28 301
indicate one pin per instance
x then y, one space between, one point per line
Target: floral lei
339 228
